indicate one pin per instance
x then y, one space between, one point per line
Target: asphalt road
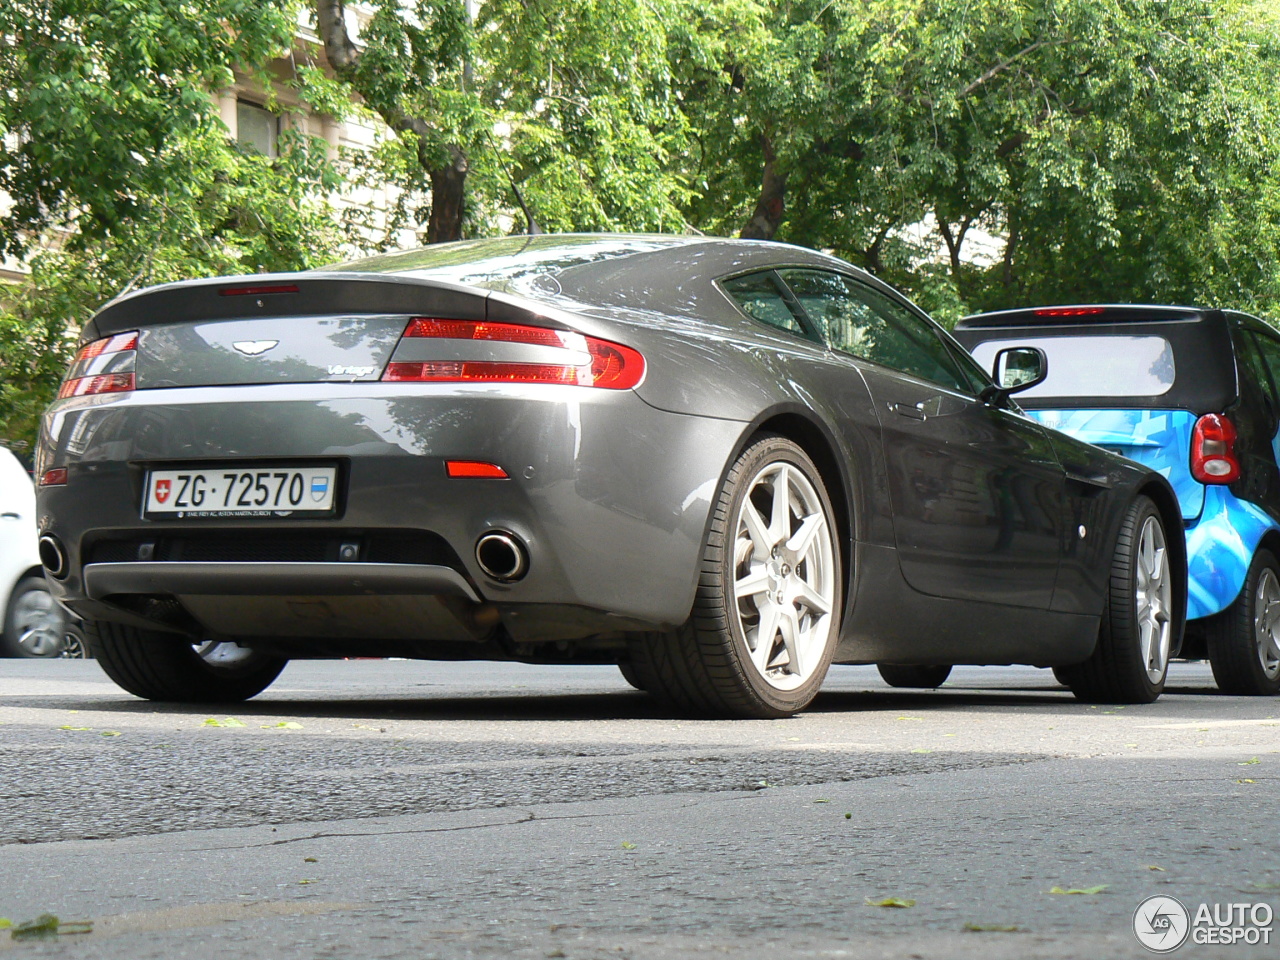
389 809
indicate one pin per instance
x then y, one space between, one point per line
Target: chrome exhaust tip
53 556
502 556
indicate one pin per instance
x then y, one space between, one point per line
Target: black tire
1062 675
33 621
928 677
630 675
1244 640
162 666
706 667
1125 667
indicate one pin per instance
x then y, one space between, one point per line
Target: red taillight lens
1070 311
474 470
56 477
103 366
1213 454
587 361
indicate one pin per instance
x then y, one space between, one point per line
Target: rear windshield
1095 366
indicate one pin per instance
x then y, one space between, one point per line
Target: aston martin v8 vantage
722 465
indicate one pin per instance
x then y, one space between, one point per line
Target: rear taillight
580 360
1213 453
1069 311
103 366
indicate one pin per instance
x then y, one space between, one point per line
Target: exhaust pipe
502 556
53 556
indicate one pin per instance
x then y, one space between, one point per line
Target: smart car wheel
33 623
896 675
766 615
1131 659
160 666
1244 640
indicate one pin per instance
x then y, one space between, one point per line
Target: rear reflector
258 291
54 478
103 366
1070 311
1213 455
588 361
476 469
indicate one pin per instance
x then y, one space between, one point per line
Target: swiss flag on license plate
162 490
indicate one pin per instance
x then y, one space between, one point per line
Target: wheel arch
800 426
1161 494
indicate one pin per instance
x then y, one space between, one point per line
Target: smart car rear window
1095 366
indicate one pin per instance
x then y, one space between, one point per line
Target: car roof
1204 358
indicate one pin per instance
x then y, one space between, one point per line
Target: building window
256 128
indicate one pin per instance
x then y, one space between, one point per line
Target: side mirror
1015 369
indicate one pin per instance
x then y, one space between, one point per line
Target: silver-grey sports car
721 465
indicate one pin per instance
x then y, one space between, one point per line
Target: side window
1255 362
863 322
760 298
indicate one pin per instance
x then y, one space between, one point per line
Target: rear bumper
610 497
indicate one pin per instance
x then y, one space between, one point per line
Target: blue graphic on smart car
1223 531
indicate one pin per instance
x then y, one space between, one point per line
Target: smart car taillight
1213 455
103 366
580 360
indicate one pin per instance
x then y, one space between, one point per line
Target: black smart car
1194 394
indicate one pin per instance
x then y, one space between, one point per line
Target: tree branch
1005 64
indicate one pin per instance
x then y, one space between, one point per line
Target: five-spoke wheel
1131 659
1244 640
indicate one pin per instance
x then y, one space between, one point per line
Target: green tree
1118 149
120 174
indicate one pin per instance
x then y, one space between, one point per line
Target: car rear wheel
1244 640
161 666
766 614
33 622
1131 660
897 675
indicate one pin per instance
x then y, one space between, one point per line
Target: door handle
10 516
913 411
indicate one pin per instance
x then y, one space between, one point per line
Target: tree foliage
119 174
978 155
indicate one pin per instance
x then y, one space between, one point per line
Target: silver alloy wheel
38 624
784 575
1154 599
1266 623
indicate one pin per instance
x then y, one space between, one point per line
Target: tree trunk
770 208
448 180
448 199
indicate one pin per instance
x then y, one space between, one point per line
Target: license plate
256 491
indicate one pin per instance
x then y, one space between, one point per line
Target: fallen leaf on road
5 923
74 728
310 860
110 733
1081 890
1248 763
921 750
1152 866
1246 781
822 800
890 902
47 927
282 725
991 927
627 845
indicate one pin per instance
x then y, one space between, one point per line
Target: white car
34 625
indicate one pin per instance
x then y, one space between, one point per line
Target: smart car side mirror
1015 369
